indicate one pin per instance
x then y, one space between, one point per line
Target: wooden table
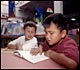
10 61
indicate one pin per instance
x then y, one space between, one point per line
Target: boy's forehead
30 27
51 26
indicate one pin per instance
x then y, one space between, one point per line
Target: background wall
19 13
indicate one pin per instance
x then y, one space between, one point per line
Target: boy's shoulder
69 40
34 38
21 37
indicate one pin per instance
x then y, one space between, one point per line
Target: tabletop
10 61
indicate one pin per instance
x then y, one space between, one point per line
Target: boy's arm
61 59
10 46
35 51
15 44
40 49
18 46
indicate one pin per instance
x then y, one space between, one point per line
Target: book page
32 58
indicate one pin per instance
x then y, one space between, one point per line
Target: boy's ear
63 33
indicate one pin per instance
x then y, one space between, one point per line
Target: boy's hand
34 51
47 53
40 49
19 46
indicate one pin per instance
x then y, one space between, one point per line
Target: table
11 61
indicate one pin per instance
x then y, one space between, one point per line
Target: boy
28 41
58 45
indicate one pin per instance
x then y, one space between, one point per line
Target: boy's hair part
30 24
58 19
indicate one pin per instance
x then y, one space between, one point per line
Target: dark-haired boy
58 45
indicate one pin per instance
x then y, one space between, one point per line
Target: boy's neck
61 40
26 39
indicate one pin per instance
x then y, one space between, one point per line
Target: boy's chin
29 38
50 43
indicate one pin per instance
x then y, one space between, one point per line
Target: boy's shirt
68 47
26 45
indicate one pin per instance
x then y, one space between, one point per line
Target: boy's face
29 32
53 34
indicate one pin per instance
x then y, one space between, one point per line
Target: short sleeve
15 41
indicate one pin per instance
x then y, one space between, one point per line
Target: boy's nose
48 36
30 33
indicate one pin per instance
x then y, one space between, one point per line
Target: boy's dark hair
57 19
30 24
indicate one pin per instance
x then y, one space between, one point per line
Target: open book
31 58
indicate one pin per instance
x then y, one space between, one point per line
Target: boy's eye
32 32
52 33
28 31
49 33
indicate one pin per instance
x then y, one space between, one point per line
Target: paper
32 58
